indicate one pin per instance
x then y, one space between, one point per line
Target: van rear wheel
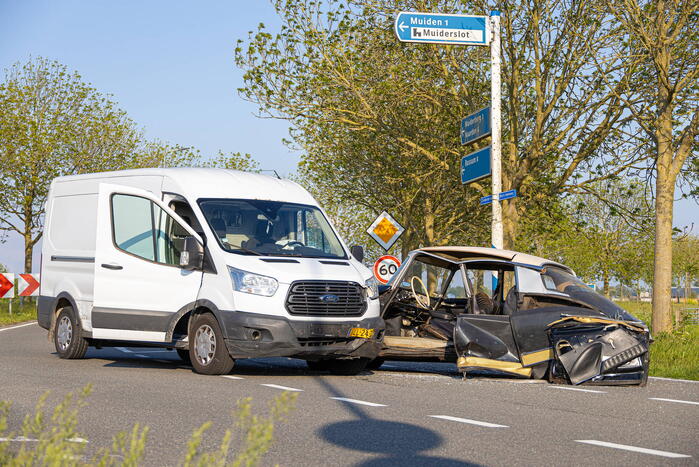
66 335
207 348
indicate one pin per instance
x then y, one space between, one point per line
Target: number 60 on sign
385 267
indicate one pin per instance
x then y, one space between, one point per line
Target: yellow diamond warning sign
385 230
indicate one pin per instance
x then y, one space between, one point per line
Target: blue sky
170 65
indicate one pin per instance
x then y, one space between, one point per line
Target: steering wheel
292 243
420 299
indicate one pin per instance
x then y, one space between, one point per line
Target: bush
54 440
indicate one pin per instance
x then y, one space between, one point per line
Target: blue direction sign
475 166
442 29
507 195
475 126
500 197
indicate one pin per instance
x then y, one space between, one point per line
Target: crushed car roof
462 253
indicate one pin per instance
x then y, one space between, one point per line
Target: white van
217 264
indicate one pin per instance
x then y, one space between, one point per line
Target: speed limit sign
385 267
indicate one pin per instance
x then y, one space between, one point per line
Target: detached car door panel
139 285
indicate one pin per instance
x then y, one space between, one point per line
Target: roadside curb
674 379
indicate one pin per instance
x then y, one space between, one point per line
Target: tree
52 124
685 261
378 119
661 58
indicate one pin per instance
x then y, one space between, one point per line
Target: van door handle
116 267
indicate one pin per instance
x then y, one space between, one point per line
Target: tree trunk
28 251
429 222
686 287
664 194
510 223
605 280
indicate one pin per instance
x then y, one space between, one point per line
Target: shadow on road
394 443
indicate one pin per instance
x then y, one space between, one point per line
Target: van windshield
271 228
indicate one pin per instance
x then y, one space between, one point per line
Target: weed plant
52 439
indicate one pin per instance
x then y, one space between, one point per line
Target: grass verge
675 354
20 311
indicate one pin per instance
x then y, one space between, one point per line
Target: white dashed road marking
578 389
469 421
231 377
625 447
355 401
283 388
673 400
18 326
22 439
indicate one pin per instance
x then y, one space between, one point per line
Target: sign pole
497 231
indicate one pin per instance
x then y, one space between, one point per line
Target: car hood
289 269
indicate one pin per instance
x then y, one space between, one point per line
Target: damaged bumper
254 335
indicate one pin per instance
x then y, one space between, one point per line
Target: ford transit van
216 264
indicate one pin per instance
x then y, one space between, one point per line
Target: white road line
355 401
469 421
18 326
578 389
22 439
673 379
231 377
625 447
673 400
284 388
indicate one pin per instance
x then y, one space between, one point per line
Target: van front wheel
66 335
207 348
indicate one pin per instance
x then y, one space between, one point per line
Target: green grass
20 313
675 354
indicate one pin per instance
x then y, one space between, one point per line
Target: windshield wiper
247 250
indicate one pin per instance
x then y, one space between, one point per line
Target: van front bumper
250 335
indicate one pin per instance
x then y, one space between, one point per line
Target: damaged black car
509 313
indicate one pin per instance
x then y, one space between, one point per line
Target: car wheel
184 356
207 348
646 369
347 367
66 335
375 364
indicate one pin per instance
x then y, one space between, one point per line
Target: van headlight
372 288
256 284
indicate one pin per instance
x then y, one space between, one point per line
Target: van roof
197 182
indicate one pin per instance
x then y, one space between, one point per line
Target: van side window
132 219
169 238
143 229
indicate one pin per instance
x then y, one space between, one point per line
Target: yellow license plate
361 332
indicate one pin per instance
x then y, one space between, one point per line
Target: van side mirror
358 252
192 254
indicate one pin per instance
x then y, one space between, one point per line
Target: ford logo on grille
329 298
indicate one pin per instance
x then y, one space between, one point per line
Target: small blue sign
442 29
501 197
475 126
507 195
475 166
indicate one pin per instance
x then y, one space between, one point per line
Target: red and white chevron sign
7 285
27 285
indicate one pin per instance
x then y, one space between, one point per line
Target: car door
482 338
139 285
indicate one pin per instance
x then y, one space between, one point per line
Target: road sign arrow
402 26
27 285
7 282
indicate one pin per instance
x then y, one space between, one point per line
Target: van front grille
326 298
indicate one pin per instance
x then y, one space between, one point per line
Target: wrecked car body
509 313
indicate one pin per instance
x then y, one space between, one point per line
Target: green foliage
54 440
22 310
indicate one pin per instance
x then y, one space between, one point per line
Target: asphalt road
403 414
